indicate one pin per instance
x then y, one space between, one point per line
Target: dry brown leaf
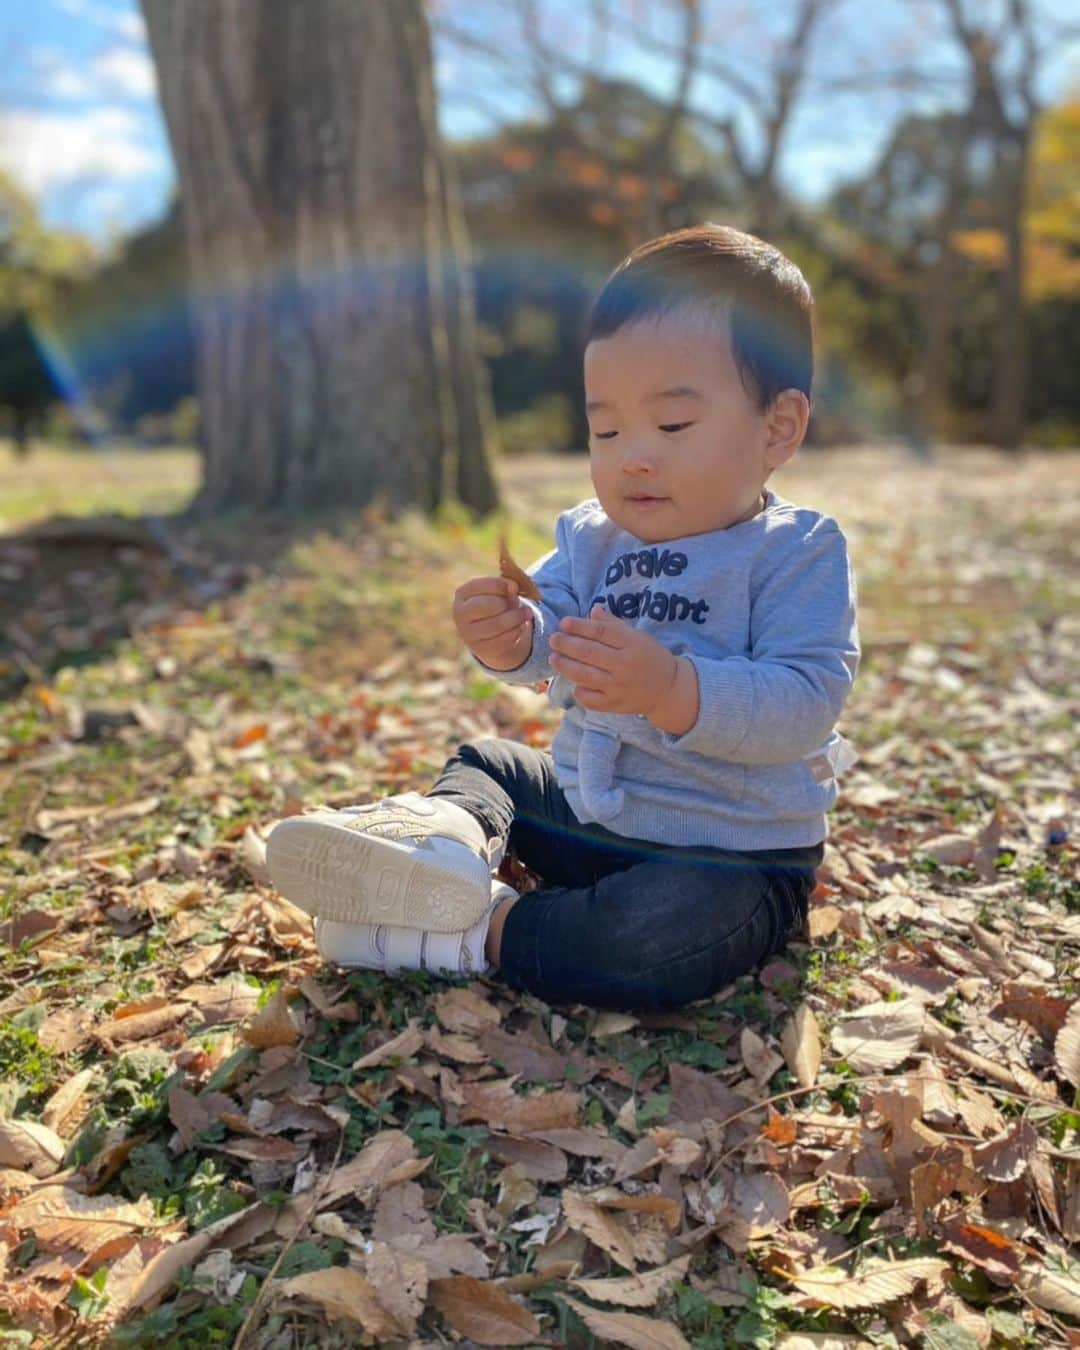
823 920
953 850
30 923
663 1207
879 1035
508 568
801 1044
608 1023
141 1026
463 1010
761 1198
273 1024
780 1129
143 1274
1005 1158
761 1060
369 1171
1051 1289
1045 1012
538 1161
344 1293
872 1286
583 1143
483 1312
630 1329
639 1291
63 1218
455 1045
30 1147
402 1046
983 1247
228 1000
1067 1047
66 1030
606 1231
65 1099
400 1280
697 1096
529 1059
496 1103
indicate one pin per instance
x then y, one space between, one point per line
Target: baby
700 635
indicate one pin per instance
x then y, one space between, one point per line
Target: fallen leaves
801 1044
876 1283
30 1146
879 1035
1067 1047
639 1333
503 1161
483 1312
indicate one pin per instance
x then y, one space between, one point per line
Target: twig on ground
267 1288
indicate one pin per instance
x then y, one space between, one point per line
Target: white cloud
45 151
119 72
125 71
129 25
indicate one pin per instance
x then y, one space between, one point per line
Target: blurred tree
336 351
37 267
551 206
1001 111
128 328
554 56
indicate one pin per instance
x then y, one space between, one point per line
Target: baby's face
670 421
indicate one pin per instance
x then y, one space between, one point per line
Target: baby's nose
638 459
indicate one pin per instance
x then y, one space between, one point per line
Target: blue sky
80 126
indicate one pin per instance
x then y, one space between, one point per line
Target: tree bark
1010 366
336 356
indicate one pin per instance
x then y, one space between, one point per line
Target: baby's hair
717 273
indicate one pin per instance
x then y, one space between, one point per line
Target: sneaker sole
353 877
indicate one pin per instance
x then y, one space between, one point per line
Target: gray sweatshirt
765 612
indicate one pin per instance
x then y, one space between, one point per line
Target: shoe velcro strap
403 948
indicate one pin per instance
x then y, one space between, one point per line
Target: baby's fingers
499 625
486 586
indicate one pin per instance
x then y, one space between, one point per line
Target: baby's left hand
613 667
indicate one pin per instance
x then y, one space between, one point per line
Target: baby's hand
613 667
493 622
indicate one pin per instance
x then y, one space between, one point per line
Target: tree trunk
938 297
336 353
1010 358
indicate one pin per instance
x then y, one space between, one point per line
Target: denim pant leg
512 790
622 923
656 936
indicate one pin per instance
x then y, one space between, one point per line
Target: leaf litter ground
208 1136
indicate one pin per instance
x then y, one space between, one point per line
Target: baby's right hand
494 622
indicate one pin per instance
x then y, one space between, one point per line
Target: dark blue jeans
622 923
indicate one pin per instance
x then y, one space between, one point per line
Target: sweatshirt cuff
533 670
725 708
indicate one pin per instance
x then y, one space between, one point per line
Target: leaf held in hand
508 568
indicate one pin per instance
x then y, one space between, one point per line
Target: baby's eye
604 435
677 426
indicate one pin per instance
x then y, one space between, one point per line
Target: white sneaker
385 947
408 861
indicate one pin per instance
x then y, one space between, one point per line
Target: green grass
54 480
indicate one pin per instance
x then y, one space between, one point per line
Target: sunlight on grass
54 481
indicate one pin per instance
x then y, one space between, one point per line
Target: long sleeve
782 701
553 575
